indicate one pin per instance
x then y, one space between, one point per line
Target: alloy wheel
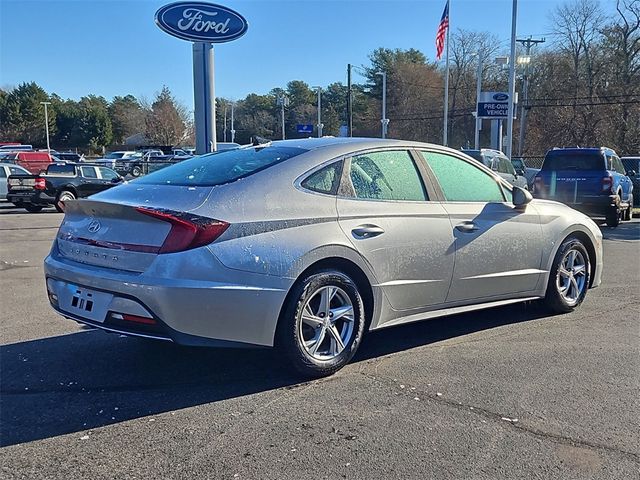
327 323
571 276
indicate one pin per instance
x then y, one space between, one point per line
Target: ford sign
201 22
501 97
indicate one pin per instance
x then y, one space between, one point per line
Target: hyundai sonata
305 245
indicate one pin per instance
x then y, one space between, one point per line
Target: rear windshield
475 154
220 167
573 161
60 169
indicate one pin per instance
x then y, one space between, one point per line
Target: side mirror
521 197
631 173
117 179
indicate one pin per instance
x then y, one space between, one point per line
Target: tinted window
631 163
617 164
221 167
324 180
89 172
17 171
61 169
3 173
107 173
389 175
505 166
461 181
115 155
573 161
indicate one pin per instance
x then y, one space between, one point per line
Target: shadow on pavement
76 382
624 231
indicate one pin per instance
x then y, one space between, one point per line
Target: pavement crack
505 421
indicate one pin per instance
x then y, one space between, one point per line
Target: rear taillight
187 231
607 184
40 184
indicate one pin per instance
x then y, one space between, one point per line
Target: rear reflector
133 318
187 231
607 184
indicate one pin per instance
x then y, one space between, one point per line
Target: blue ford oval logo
501 97
201 22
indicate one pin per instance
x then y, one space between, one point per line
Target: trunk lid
21 183
108 230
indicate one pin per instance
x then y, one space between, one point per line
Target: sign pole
478 90
204 98
512 80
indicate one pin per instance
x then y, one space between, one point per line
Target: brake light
607 184
40 184
187 231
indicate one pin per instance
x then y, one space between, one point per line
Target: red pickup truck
35 162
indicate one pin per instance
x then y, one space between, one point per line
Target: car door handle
467 227
363 232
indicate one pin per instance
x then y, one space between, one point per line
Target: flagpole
445 138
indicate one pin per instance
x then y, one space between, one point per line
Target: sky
113 47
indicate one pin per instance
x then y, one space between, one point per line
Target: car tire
33 208
318 344
628 213
63 196
613 217
136 171
569 277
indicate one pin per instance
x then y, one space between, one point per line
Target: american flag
442 31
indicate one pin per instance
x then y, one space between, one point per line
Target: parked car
15 147
61 183
592 180
632 166
35 162
70 157
306 244
143 164
521 169
499 163
112 158
7 169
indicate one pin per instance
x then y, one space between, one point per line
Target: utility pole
282 101
46 123
349 103
224 132
385 120
512 79
233 132
527 43
320 125
478 91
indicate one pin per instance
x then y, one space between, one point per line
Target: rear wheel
322 325
136 171
33 208
628 213
64 196
569 277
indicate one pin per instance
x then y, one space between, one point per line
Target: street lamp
46 124
385 120
233 131
320 124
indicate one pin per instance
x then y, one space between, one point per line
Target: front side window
325 180
3 174
461 181
505 166
387 175
219 168
107 173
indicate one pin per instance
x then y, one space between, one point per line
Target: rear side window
220 168
89 172
573 161
387 175
325 180
61 170
107 173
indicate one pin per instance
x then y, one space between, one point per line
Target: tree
167 120
22 115
127 117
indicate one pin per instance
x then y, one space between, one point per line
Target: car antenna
258 140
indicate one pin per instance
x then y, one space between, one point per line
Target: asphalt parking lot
503 393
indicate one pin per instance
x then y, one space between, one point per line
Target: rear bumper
594 205
241 310
34 198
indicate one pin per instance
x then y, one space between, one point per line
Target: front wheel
136 171
322 324
569 277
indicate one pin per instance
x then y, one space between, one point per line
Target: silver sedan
305 245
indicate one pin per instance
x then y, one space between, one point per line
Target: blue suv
591 180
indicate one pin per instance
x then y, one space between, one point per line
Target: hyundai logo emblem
94 226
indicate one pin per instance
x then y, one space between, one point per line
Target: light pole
224 131
526 61
46 123
385 120
320 124
233 131
282 101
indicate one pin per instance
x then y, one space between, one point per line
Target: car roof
5 164
581 150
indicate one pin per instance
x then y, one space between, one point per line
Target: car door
625 181
107 178
90 183
385 211
3 182
498 249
